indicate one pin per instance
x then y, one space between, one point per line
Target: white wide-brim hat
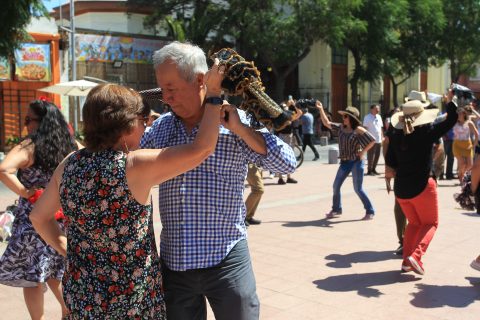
414 113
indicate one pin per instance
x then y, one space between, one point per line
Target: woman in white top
462 144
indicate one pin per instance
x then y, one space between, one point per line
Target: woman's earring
126 147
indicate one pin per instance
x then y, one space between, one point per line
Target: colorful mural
100 48
5 69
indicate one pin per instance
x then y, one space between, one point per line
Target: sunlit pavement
308 267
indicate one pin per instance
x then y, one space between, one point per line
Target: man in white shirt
373 123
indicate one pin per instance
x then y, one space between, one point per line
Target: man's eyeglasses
29 119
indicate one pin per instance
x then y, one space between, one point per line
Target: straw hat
418 95
352 112
413 113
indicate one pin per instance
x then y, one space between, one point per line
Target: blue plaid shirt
202 210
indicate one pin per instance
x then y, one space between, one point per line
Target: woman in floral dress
113 269
28 262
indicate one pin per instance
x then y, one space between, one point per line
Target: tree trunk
354 79
395 86
354 89
280 80
395 94
281 72
453 71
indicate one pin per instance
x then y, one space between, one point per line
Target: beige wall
315 73
438 80
315 80
112 22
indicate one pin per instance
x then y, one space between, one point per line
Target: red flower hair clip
44 99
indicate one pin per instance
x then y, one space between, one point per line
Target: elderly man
203 240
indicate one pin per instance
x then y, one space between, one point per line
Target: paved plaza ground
308 267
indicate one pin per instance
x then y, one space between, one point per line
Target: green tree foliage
194 21
416 49
369 35
460 40
276 34
279 34
15 16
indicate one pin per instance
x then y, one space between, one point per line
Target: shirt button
183 200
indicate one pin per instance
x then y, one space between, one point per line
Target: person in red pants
410 155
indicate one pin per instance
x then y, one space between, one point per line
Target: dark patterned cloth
113 268
152 94
28 260
466 199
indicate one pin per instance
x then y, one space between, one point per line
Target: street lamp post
73 63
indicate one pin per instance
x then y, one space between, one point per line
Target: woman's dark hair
353 122
52 139
462 110
110 111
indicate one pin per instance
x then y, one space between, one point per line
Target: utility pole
73 63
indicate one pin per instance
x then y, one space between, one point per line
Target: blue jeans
356 168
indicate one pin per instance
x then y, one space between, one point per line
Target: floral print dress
113 268
28 260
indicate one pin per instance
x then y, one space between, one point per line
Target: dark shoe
253 221
476 264
369 173
375 173
291 180
399 251
281 181
332 214
367 217
246 223
316 158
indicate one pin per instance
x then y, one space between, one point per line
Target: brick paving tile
308 267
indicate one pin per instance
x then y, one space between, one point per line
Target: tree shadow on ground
471 214
363 283
325 223
346 260
272 184
440 185
432 296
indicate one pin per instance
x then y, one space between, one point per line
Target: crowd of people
84 224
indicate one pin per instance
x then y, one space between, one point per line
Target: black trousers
307 141
373 154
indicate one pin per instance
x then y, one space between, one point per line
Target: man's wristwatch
214 100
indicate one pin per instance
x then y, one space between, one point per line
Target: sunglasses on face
29 119
345 116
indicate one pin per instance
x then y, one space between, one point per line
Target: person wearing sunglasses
113 268
353 142
28 262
